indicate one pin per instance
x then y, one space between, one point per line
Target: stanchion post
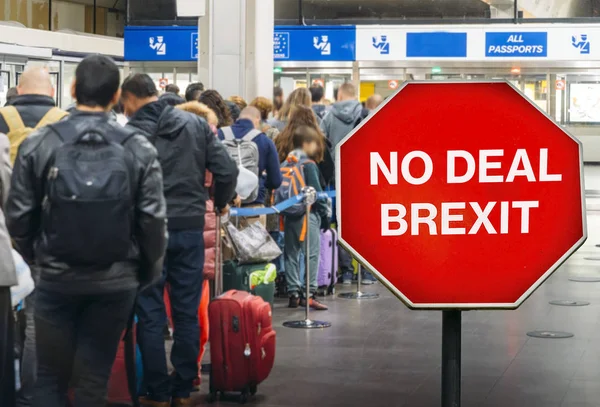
310 197
359 295
451 357
218 260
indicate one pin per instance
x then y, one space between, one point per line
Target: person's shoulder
36 139
137 142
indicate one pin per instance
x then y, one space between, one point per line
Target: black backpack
89 197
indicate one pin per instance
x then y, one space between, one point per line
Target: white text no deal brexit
393 215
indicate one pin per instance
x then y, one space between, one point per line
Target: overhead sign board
516 44
460 207
436 44
294 43
161 43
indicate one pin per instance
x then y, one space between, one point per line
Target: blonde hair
239 101
264 106
299 97
200 109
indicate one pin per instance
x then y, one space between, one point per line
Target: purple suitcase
328 261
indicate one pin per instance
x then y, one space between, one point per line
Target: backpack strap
251 135
12 118
53 115
228 134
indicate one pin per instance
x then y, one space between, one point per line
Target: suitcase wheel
253 390
244 397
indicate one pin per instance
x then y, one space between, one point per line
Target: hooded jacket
8 276
24 212
186 149
340 120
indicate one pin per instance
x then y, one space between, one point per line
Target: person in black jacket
83 305
34 100
186 149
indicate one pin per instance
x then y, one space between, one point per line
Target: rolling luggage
242 343
328 262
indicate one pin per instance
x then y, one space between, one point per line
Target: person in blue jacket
268 165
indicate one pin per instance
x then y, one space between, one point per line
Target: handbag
253 244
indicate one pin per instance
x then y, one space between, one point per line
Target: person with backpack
32 109
186 149
87 206
254 151
344 116
299 170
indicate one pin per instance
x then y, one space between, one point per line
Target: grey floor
378 353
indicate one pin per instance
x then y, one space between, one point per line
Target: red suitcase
242 343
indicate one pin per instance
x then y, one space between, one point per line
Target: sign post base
359 295
451 358
307 324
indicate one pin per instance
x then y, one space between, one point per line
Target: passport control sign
516 44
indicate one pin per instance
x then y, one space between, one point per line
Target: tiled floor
378 353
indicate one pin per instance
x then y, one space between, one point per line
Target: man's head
172 88
35 81
137 91
96 83
253 114
317 94
373 101
346 92
193 91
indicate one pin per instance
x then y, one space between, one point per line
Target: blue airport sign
516 44
337 43
161 43
436 44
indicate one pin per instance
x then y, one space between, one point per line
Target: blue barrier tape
277 208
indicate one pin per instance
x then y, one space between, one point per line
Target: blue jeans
76 340
295 252
184 262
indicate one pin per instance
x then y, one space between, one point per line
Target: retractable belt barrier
250 212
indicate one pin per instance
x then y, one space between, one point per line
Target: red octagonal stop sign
460 195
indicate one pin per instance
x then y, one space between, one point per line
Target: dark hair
172 88
317 93
335 93
171 99
139 85
193 91
305 134
96 81
301 116
277 92
215 102
234 110
11 94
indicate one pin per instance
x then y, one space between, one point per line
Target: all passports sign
460 195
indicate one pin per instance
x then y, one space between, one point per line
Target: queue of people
108 214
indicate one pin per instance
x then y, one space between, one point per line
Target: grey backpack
245 153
